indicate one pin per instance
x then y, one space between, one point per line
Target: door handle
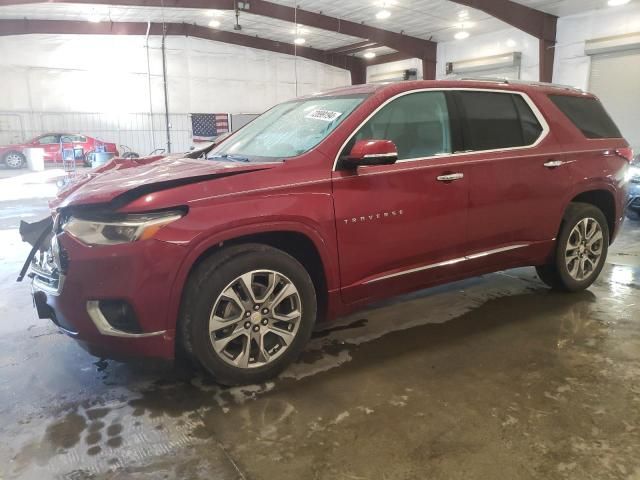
450 177
554 163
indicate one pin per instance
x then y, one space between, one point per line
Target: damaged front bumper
114 300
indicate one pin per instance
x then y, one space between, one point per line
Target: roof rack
522 82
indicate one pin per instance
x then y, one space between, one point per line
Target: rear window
494 120
588 114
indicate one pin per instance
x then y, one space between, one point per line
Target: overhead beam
539 24
22 27
418 47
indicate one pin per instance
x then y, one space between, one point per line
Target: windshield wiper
231 157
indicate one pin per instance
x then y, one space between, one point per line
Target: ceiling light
300 30
617 3
511 43
463 14
382 14
214 23
461 35
94 18
299 41
370 55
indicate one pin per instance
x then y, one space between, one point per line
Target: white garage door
615 78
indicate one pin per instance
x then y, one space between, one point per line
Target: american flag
207 126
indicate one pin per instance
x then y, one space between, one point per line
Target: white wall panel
572 65
98 85
490 44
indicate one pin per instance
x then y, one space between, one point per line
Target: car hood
127 179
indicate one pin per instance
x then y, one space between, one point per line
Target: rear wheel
581 249
247 313
15 160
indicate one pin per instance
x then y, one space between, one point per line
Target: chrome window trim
93 309
534 108
446 263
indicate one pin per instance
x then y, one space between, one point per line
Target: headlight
633 174
125 229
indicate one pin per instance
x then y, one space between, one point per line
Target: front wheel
247 313
581 249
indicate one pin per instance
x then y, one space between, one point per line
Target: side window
588 115
418 123
494 120
49 139
531 128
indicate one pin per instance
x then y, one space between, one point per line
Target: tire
213 285
576 265
15 160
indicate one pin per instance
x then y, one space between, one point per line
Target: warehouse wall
98 85
489 44
572 65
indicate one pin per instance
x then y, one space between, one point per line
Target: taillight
626 153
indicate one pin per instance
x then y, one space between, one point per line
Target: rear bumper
140 274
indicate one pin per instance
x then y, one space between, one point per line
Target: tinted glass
417 123
588 115
531 128
497 120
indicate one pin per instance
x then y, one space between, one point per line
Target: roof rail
523 82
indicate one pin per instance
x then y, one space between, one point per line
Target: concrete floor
491 378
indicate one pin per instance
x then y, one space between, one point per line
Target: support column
428 69
547 56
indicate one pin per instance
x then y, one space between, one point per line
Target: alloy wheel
13 160
584 249
255 319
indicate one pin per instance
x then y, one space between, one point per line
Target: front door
402 226
51 146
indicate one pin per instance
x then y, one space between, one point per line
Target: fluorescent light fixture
383 14
214 23
511 43
461 35
617 3
370 55
299 41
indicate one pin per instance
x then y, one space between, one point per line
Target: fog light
113 316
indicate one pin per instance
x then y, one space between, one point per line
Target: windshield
288 129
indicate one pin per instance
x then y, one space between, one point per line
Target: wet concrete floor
490 378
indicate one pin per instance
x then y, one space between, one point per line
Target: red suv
327 203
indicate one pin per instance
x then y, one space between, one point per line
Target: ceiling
438 20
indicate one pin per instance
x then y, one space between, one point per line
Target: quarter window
494 120
418 123
588 115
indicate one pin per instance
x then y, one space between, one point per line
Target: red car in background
13 156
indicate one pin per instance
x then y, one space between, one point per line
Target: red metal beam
541 25
22 27
417 47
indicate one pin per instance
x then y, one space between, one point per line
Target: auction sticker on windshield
325 115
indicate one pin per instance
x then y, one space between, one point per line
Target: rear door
402 226
517 183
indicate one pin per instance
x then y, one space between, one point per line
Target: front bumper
138 274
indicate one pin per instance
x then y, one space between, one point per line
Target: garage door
615 78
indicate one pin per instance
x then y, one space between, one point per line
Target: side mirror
372 152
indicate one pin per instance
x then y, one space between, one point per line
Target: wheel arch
604 200
300 241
